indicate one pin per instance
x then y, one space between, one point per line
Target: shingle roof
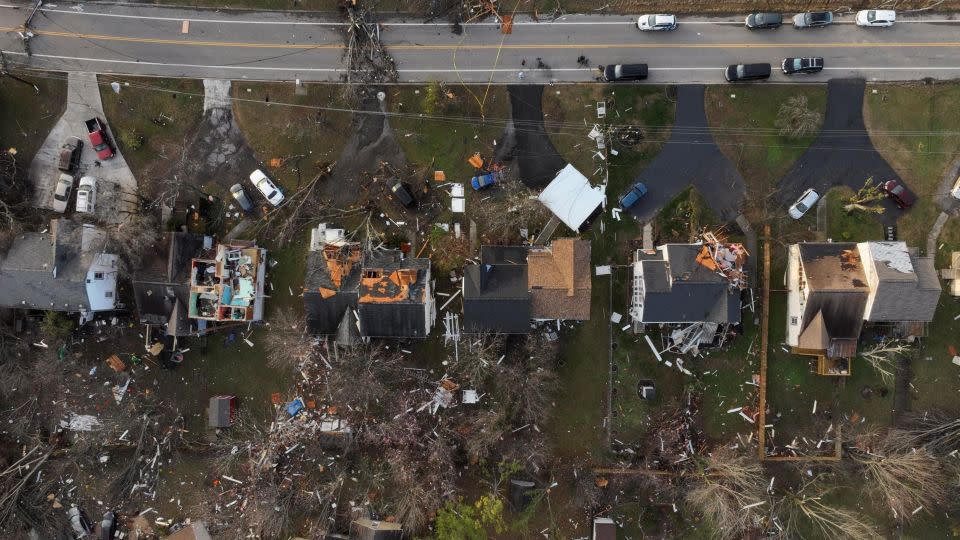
559 280
161 287
832 266
495 294
905 287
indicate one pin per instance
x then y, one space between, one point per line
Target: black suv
757 21
747 72
801 65
624 72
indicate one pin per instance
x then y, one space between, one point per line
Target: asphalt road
280 46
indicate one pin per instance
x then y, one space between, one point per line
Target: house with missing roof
693 289
835 289
352 292
64 268
161 287
514 285
226 284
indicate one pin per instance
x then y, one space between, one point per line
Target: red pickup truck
99 138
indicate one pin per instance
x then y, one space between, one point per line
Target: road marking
444 70
506 46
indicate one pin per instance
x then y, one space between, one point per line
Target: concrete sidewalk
116 185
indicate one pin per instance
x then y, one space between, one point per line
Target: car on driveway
70 154
267 187
240 196
61 193
624 72
955 191
483 181
804 203
801 65
657 22
812 19
633 196
876 17
758 21
899 194
87 195
99 138
747 72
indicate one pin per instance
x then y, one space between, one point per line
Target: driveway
116 185
537 158
690 156
842 154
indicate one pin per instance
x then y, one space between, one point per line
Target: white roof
571 197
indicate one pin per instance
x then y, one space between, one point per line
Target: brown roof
559 280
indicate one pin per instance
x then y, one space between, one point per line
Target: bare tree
937 432
882 357
726 490
804 514
904 481
134 238
796 119
513 208
287 341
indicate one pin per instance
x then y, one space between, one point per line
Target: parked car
87 195
747 72
624 72
108 525
813 19
267 187
657 22
804 203
757 21
99 138
240 196
483 181
633 196
70 154
402 194
899 194
801 65
876 17
955 192
61 193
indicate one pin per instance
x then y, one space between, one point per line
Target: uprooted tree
796 119
865 197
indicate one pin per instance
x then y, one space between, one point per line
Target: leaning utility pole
4 72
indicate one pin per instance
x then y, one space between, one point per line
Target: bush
56 325
131 140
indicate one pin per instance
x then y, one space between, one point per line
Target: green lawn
743 121
843 226
164 112
280 124
30 116
903 121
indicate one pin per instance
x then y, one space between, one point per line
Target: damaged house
65 268
695 289
161 286
349 291
513 285
835 289
226 284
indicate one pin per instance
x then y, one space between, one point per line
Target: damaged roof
331 285
161 286
832 266
495 294
905 287
559 280
394 295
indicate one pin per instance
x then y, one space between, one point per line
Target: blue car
483 181
631 197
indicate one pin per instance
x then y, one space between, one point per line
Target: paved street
280 46
116 185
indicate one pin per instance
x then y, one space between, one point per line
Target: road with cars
147 40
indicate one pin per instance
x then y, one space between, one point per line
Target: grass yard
42 111
843 226
921 158
744 127
152 121
279 124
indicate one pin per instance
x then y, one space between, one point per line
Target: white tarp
571 197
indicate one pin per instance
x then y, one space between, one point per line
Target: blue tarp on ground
294 407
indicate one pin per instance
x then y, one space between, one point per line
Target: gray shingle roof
678 289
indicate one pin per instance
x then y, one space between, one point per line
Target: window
108 294
793 321
98 275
